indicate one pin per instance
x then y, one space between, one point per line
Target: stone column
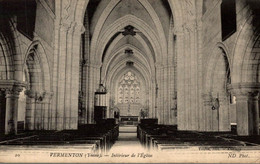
247 113
153 99
38 111
12 96
74 89
61 107
253 113
259 107
207 105
92 85
174 110
30 109
224 112
46 111
159 99
172 95
150 100
2 112
180 46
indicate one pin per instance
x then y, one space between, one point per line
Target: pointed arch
138 54
120 24
210 67
37 51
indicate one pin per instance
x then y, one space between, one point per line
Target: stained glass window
129 89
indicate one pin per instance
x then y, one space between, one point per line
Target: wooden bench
87 148
100 138
160 137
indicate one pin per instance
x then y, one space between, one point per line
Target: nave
127 142
146 142
106 139
74 73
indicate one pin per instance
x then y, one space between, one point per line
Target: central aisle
127 141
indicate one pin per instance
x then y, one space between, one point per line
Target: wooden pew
87 148
101 138
162 137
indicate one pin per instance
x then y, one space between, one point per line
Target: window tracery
129 89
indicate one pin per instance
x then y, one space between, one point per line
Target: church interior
100 74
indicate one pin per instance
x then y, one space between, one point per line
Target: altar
129 120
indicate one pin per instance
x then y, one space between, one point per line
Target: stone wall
211 34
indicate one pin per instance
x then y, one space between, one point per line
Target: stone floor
127 141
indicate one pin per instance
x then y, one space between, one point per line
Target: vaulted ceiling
122 31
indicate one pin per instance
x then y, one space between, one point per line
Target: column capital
12 92
158 65
8 84
245 90
1 93
247 95
178 30
65 25
207 98
245 86
164 65
190 26
79 28
30 93
206 95
39 96
94 65
11 87
72 27
47 96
